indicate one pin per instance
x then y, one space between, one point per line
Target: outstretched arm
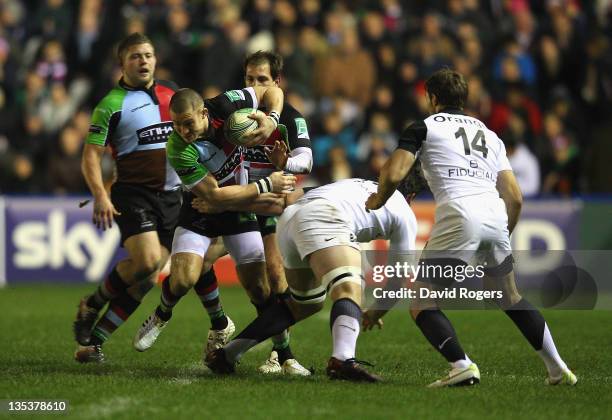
237 195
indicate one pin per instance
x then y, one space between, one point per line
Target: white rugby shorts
469 224
244 248
311 225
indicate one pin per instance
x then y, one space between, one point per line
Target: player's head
413 183
263 68
446 88
137 60
189 115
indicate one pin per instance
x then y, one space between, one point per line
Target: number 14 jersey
460 156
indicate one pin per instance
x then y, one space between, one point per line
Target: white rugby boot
459 377
148 332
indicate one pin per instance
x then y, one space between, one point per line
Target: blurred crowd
539 74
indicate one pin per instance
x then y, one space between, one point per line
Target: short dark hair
135 38
185 100
449 86
414 182
262 57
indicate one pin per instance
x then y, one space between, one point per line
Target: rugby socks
272 321
110 288
532 325
344 321
208 292
280 342
120 309
167 301
440 333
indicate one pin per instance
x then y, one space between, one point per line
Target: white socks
554 364
345 331
462 363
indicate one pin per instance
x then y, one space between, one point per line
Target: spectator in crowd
65 164
345 61
336 74
524 165
564 174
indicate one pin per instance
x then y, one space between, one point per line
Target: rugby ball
238 124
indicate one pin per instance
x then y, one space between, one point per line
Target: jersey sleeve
413 136
297 128
104 119
223 105
503 164
184 158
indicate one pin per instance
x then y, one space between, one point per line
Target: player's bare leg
137 272
278 317
207 289
337 267
532 325
185 270
274 265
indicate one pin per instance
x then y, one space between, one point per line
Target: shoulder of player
113 100
175 144
454 116
168 84
417 129
289 111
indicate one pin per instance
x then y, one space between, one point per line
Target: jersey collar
150 91
451 110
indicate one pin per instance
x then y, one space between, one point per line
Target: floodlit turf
169 380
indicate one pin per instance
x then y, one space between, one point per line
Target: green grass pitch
169 380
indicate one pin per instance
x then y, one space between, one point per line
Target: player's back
351 194
460 156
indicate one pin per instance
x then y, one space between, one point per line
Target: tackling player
133 118
319 239
466 167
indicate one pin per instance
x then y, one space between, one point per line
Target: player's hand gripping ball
238 125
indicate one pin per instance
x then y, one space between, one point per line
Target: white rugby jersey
351 195
460 156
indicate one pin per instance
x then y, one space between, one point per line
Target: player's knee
147 265
183 283
276 272
508 300
258 292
